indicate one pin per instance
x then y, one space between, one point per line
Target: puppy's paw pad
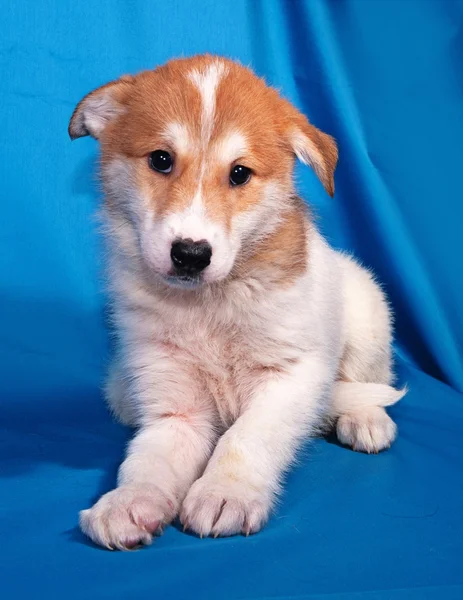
127 517
223 507
369 430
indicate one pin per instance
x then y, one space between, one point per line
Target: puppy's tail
352 396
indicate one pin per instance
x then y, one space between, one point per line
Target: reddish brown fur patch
283 254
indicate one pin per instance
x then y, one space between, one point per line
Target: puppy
241 333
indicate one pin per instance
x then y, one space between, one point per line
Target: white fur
176 135
231 147
190 223
207 82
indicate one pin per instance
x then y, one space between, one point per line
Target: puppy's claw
131 548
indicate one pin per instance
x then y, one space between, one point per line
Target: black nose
190 258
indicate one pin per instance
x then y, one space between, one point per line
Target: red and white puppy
241 332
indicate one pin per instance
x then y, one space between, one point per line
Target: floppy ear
100 107
314 148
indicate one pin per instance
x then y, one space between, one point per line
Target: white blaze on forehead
176 135
231 147
207 82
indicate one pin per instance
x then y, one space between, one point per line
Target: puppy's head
197 163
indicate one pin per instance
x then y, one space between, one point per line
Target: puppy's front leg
242 479
168 453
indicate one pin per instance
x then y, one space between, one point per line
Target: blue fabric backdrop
384 77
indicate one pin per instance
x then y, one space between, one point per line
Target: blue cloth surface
384 77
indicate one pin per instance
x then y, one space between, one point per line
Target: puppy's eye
240 175
160 161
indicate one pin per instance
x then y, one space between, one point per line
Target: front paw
221 505
127 517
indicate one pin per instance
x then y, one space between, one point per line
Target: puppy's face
197 161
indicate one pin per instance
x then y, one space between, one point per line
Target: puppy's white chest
222 362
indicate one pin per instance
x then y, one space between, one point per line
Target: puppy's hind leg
362 421
364 389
